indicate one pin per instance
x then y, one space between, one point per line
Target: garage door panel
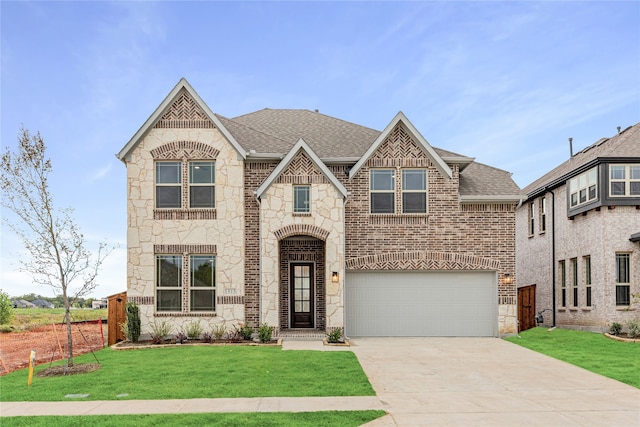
421 303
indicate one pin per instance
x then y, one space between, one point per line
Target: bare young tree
56 247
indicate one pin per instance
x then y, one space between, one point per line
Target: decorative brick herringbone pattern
301 170
183 113
302 229
399 150
422 260
183 150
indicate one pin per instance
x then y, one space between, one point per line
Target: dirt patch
50 344
58 371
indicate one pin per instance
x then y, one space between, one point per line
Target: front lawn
186 372
247 419
591 351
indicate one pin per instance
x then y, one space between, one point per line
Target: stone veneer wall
599 234
185 231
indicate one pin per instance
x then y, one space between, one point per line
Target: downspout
553 256
344 265
255 194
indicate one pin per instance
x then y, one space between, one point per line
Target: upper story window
532 218
382 187
414 191
583 188
301 199
202 190
543 214
624 180
168 184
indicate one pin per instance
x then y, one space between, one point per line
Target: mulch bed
58 371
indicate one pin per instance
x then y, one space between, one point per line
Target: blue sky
505 82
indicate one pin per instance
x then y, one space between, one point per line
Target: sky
504 82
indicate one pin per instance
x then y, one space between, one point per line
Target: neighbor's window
543 214
382 191
168 184
563 283
301 199
202 191
623 275
583 188
624 180
414 191
202 283
587 279
169 283
532 220
574 273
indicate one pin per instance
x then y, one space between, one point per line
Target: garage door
418 303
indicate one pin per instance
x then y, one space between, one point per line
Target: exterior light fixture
507 279
334 277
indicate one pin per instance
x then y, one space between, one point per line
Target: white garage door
418 303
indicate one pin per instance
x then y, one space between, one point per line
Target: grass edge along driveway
185 372
591 351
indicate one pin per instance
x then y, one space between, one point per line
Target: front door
302 295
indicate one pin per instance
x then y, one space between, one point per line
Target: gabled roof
419 139
183 84
301 145
625 144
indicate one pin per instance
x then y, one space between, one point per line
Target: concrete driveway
488 382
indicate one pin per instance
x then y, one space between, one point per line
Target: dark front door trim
302 294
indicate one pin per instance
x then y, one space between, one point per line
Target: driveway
488 382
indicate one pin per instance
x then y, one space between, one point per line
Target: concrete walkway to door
487 382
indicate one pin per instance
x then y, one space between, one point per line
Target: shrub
335 336
6 309
246 331
181 337
634 328
207 337
159 331
233 335
265 332
219 330
615 328
194 330
131 327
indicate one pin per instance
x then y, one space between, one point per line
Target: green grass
246 419
591 351
186 372
29 318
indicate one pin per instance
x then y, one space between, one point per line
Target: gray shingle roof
625 144
276 131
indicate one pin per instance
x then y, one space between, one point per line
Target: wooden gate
526 307
117 316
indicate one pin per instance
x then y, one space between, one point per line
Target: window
583 188
587 279
382 187
623 274
202 283
574 273
301 196
624 180
171 285
563 283
168 184
169 282
532 220
202 192
543 214
414 191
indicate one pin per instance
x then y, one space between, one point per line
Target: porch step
300 334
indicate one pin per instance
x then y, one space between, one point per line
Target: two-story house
308 222
578 230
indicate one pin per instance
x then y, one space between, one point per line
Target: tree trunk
67 320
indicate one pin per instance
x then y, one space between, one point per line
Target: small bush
219 330
334 336
181 337
265 332
246 331
233 335
6 309
615 328
207 337
634 328
159 331
131 327
194 330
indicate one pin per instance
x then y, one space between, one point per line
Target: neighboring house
308 222
42 303
20 303
577 237
99 303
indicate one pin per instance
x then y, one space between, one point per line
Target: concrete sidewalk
184 406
